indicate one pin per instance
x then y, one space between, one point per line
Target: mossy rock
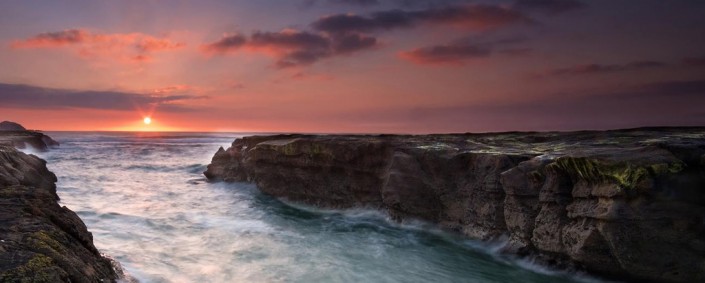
626 174
39 269
43 241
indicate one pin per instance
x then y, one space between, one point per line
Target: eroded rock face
41 241
13 134
625 204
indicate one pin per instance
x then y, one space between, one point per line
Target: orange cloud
173 89
122 47
451 54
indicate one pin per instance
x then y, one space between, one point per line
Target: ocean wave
148 205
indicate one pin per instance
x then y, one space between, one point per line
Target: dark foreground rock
627 204
41 241
13 134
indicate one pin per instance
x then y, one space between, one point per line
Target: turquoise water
144 198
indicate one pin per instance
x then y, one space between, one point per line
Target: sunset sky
397 66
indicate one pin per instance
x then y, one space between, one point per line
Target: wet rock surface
626 204
15 135
41 241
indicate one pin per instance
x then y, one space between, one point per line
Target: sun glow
147 120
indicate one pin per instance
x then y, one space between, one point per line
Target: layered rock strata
627 204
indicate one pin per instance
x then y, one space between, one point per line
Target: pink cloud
122 47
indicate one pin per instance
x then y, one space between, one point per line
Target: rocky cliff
626 204
13 134
41 241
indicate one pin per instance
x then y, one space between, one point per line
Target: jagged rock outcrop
627 204
41 241
13 134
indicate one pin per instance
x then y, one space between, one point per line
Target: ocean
148 205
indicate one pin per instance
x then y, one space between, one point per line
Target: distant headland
15 135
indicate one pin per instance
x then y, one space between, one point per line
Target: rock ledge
626 204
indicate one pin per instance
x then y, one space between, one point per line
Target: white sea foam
148 206
29 149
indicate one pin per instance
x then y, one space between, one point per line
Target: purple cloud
472 17
33 97
293 48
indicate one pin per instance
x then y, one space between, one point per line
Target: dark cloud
363 3
587 69
70 36
356 2
226 43
428 4
395 3
346 23
463 50
343 34
350 43
474 17
694 61
549 6
454 54
294 48
289 39
301 58
33 97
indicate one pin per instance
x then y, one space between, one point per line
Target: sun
147 120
